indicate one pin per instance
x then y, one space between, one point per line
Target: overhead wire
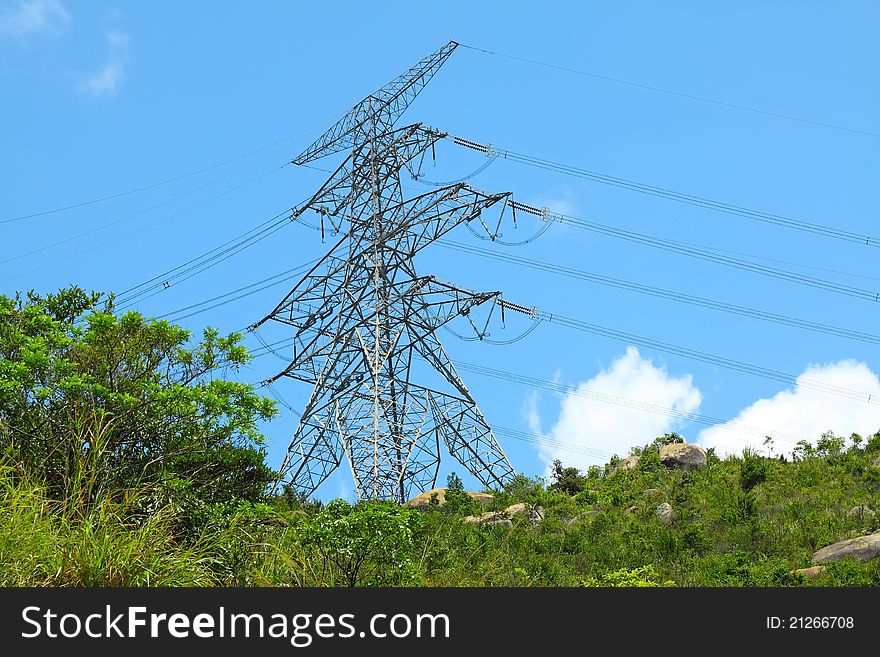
703 253
240 293
581 391
669 194
133 215
203 262
142 228
680 297
166 181
712 359
672 92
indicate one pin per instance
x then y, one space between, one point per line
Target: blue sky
104 97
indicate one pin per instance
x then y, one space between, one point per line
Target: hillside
749 521
128 457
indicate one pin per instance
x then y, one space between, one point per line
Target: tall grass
92 535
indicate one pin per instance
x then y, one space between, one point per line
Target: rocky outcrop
683 456
876 461
861 548
490 519
653 493
810 573
423 500
861 512
665 513
532 514
629 463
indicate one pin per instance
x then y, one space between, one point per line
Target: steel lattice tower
385 391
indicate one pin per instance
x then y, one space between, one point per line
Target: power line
240 293
671 195
693 354
137 230
533 382
680 94
701 253
635 404
205 261
712 359
167 181
744 311
538 439
139 213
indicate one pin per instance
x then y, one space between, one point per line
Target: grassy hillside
746 521
128 457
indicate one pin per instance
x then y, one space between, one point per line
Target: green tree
567 479
366 544
171 424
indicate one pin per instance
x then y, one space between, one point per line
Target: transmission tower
386 394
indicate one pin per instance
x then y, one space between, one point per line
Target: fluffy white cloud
603 414
107 81
31 16
804 411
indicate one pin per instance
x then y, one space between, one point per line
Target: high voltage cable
241 292
720 361
672 195
538 439
532 382
167 181
203 262
701 253
133 215
137 230
661 293
709 256
588 327
680 94
618 401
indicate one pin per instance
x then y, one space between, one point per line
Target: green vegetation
128 459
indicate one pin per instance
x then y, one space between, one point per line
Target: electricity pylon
385 391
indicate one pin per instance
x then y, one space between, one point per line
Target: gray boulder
810 573
861 548
534 514
665 513
423 500
861 512
683 456
629 463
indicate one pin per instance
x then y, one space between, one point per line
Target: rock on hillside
534 515
810 573
861 511
665 513
862 548
423 500
683 456
629 463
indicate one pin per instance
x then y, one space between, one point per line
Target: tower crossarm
340 195
393 98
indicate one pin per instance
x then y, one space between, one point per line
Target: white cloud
108 80
587 419
32 16
804 411
561 201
